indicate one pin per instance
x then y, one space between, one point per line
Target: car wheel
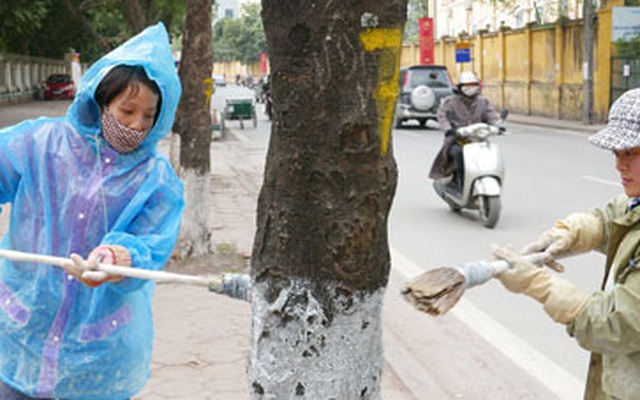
423 98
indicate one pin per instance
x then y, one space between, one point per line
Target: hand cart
240 108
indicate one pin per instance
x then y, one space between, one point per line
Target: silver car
422 88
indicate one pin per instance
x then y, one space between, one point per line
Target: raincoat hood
150 49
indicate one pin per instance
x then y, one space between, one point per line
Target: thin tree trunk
321 257
587 48
136 13
194 127
86 24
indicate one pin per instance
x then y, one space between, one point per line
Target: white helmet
469 84
467 78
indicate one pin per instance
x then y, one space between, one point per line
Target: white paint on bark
194 229
174 151
299 351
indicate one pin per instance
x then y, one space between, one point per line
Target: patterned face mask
470 91
121 138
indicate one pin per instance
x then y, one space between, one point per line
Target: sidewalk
575 126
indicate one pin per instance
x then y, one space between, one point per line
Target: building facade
455 17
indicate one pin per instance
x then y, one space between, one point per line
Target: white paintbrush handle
479 272
500 266
131 272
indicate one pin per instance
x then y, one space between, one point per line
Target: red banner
263 63
426 40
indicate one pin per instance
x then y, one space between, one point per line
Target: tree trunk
135 12
194 127
77 14
587 65
320 260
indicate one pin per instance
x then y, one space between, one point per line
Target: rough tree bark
193 124
320 260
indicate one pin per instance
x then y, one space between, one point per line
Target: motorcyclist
465 107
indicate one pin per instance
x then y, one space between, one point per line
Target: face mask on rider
470 91
121 138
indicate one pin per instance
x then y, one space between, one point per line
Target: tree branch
86 24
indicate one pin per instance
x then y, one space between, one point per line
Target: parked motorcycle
483 173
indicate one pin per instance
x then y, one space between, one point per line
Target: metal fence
21 77
625 75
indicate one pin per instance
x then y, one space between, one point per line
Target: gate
625 75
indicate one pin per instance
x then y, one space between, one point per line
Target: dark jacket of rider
459 110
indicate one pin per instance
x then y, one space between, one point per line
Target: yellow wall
517 62
231 69
543 55
536 70
490 59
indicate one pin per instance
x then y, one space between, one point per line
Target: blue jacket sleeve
13 150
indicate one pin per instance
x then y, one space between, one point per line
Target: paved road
549 173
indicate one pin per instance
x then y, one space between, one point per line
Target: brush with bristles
437 290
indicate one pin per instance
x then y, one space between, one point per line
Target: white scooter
483 174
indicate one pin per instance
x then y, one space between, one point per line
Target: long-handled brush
230 284
436 291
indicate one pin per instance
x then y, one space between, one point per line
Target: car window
434 78
59 79
403 75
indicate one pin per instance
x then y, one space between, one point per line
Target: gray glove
562 300
578 233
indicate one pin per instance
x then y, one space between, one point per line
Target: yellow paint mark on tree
388 42
208 84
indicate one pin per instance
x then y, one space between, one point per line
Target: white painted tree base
300 352
195 236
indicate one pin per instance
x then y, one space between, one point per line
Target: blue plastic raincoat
71 192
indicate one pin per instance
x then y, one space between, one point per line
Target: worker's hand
553 243
77 266
578 233
520 275
562 300
86 270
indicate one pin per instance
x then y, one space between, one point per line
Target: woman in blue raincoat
92 185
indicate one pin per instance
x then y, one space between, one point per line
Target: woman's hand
86 271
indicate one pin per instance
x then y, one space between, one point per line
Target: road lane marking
559 381
600 180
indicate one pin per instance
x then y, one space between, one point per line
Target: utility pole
587 66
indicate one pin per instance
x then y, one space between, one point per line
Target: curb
544 122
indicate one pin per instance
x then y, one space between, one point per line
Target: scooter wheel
489 210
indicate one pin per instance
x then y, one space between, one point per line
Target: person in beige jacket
607 322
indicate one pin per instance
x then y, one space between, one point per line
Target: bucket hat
623 128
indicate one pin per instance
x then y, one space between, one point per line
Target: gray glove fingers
535 247
550 262
554 265
505 253
558 247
